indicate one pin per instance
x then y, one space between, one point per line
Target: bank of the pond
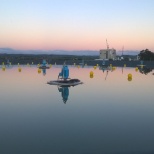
68 59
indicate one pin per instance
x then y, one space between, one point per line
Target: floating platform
68 82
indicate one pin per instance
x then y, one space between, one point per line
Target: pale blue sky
80 24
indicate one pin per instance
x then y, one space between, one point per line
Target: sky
77 24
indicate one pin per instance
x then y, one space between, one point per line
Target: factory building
108 54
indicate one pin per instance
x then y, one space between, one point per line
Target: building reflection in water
105 69
64 90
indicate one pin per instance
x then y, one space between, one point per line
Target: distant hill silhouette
55 52
61 52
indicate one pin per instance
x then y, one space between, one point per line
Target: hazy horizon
62 52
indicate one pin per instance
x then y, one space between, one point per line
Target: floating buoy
78 66
18 64
38 65
110 65
113 68
95 67
50 65
91 73
136 69
28 64
124 65
2 63
19 69
129 75
3 68
141 66
39 70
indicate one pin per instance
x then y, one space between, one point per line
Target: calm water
106 115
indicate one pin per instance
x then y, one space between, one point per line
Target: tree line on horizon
37 59
146 55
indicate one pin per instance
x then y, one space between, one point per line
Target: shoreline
69 60
148 64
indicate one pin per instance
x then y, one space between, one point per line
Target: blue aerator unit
64 74
44 62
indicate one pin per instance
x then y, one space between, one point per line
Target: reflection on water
145 70
44 71
111 116
64 90
106 69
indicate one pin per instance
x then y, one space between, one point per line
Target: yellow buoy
136 69
50 65
110 65
124 65
91 73
39 70
78 66
19 69
18 64
129 75
74 64
113 68
3 68
95 67
38 65
28 64
141 66
2 63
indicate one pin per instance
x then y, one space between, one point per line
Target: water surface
106 115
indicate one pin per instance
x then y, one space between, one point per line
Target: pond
107 114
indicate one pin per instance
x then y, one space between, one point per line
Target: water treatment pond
106 115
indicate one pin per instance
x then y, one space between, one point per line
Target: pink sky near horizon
70 42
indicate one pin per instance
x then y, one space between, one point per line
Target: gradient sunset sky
77 24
